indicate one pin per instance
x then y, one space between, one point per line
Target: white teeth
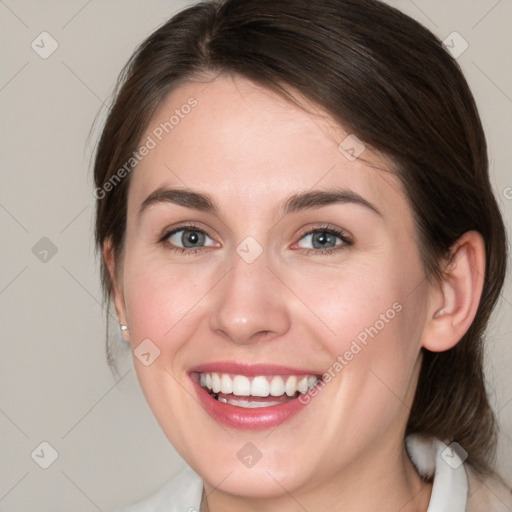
291 386
215 382
302 385
259 386
241 386
226 384
249 405
277 386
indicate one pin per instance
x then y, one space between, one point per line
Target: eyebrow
307 200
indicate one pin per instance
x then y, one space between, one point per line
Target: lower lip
247 419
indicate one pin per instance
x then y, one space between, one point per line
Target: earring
124 328
439 313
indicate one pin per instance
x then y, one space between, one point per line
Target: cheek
158 298
361 301
161 302
371 317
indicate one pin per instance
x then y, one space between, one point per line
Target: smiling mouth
255 392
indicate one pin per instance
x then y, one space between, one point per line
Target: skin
250 149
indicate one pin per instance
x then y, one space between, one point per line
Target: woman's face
259 255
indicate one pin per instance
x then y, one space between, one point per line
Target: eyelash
346 240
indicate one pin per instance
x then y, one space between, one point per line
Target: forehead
247 145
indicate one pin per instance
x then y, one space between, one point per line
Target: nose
249 304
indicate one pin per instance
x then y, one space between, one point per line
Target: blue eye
324 240
188 239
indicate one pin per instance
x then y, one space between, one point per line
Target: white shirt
430 456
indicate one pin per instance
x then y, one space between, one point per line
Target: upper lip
250 370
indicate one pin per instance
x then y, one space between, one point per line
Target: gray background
55 385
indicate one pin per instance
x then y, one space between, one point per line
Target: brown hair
389 81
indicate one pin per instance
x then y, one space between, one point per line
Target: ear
117 288
454 302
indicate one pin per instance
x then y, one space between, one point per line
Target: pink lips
240 417
251 370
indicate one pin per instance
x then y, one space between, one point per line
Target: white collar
450 485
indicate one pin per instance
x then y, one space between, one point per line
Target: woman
302 245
